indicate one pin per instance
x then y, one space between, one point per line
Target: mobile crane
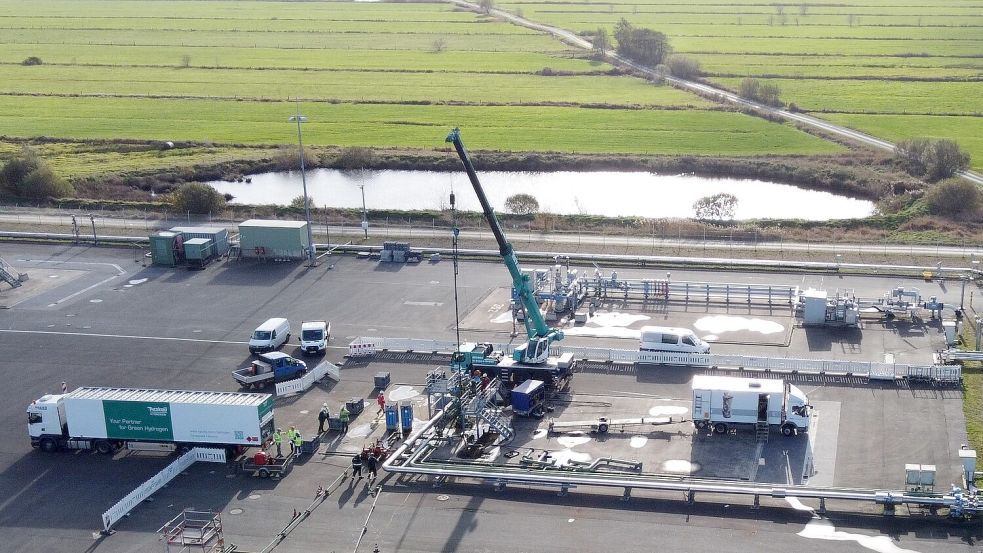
528 359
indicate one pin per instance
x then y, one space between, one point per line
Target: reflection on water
607 193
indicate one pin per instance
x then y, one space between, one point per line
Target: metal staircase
762 431
481 404
9 275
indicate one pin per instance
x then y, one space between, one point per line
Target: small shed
218 235
166 248
198 251
273 239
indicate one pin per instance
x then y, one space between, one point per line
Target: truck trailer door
762 407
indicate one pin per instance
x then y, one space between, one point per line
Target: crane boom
539 333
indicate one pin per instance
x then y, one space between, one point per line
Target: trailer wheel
48 445
602 428
788 429
720 428
103 447
264 473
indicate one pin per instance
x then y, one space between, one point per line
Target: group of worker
293 438
344 417
371 462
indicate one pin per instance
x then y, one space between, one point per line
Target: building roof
272 223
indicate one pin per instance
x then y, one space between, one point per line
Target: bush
641 45
198 197
28 176
356 157
953 197
932 159
522 204
32 60
683 67
717 206
297 202
765 93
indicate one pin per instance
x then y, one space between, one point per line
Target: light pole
365 214
303 178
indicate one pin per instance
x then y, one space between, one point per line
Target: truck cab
46 418
314 336
797 408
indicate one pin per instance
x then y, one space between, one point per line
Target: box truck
724 402
107 419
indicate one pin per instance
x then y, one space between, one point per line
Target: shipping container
273 239
218 235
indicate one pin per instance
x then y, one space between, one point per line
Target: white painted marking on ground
424 303
138 281
402 393
819 528
663 410
97 300
615 318
638 441
562 457
502 318
682 466
572 441
718 324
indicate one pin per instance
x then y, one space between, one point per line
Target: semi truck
270 368
724 402
108 419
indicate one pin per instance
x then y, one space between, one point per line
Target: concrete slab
41 280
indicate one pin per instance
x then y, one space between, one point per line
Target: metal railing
869 369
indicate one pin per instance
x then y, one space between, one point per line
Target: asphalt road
157 327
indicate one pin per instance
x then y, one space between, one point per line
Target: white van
270 335
676 340
314 336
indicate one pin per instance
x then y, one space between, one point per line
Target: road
111 226
707 90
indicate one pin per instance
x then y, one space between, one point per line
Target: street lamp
303 178
365 214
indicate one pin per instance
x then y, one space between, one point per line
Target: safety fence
667 290
870 369
298 385
145 490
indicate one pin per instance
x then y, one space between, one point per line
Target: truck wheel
602 428
48 445
103 447
788 429
720 428
264 473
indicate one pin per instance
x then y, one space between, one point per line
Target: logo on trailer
157 411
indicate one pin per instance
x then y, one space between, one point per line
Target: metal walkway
8 274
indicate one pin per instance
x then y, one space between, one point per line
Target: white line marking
163 338
424 303
119 272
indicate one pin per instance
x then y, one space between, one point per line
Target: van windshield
311 335
261 335
688 341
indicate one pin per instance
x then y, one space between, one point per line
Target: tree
297 202
717 206
438 45
932 159
749 88
198 197
522 204
602 43
765 93
28 176
953 196
641 45
684 67
31 60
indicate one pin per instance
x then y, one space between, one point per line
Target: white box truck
107 419
314 336
725 402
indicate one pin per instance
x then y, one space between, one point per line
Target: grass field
365 73
867 56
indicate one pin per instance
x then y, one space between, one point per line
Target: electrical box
814 307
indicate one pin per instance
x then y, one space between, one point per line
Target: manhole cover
255 496
236 511
443 497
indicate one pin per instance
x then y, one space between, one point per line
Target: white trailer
725 402
107 419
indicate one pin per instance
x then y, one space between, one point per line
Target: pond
604 193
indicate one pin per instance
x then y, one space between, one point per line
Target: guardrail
298 385
869 369
145 490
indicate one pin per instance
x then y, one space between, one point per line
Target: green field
374 74
866 56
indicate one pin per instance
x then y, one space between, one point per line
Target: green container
199 250
162 248
218 235
272 239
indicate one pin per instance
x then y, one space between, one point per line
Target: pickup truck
270 368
